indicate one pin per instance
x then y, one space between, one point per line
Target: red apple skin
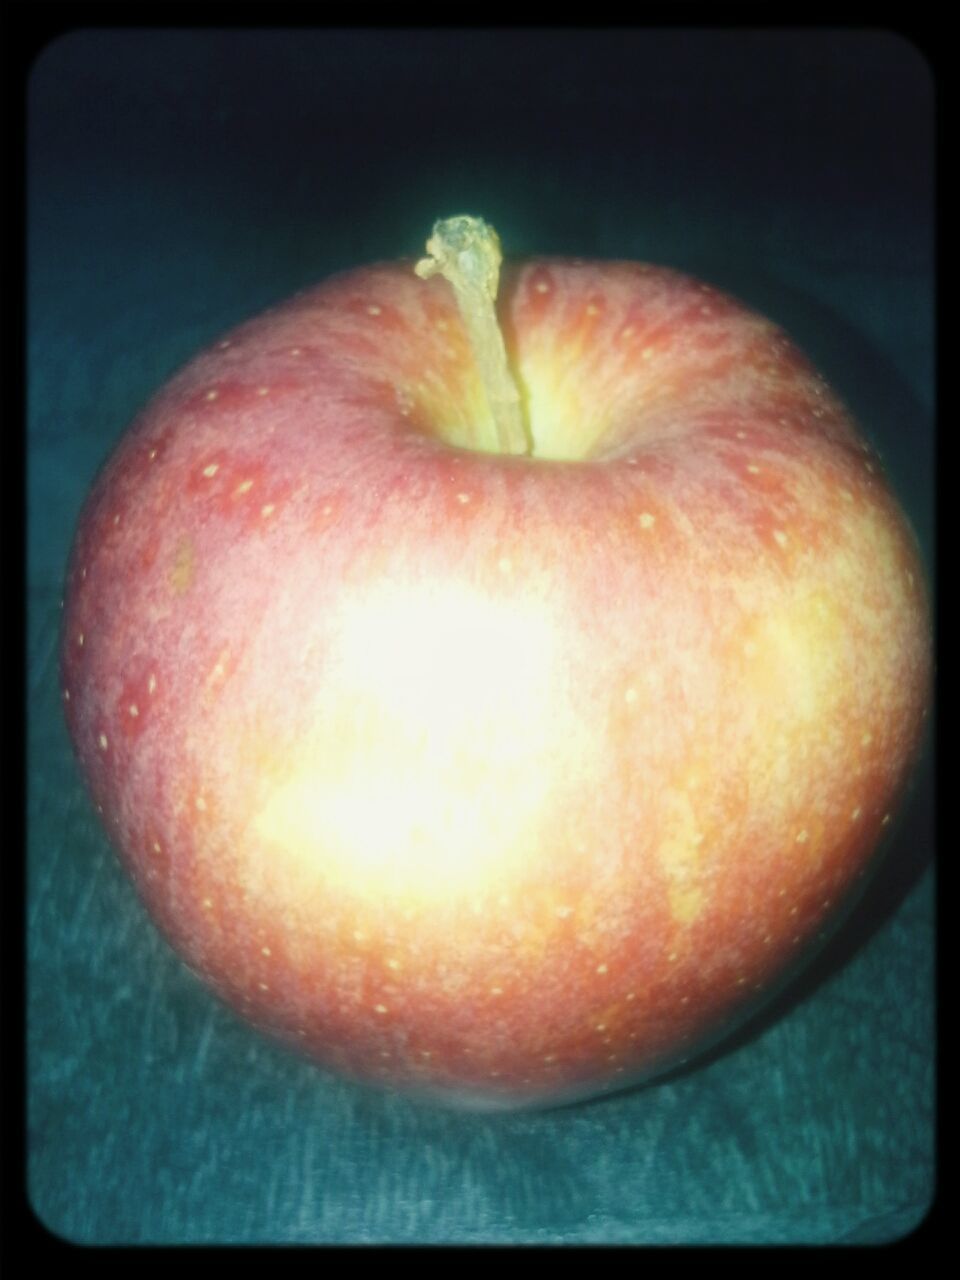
507 781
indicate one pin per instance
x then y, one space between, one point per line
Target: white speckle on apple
780 537
802 837
793 910
211 469
601 1026
152 683
212 394
627 331
672 956
66 695
592 309
768 938
827 904
152 455
263 391
359 935
133 709
846 495
156 847
267 510
103 742
496 991
222 346
265 951
505 564
200 803
385 1053
263 986
373 310
551 1057
818 413
646 353
243 487
855 815
631 462
631 995
542 287
630 695
684 999
601 968
442 326
296 351
866 739
426 1053
647 521
208 904
753 468
116 519
463 497
706 311
886 820
380 1008
393 964
741 435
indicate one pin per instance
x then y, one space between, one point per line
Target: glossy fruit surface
503 779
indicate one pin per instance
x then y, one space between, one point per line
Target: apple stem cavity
466 252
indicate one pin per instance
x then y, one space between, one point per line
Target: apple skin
506 781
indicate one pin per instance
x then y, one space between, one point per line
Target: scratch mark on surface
41 669
83 907
306 1196
203 1044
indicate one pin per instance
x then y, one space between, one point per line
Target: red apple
506 779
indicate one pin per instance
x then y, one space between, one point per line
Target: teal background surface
180 181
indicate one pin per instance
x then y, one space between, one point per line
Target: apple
496 713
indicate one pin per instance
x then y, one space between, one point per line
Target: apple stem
466 252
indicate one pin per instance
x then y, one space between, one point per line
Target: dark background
180 180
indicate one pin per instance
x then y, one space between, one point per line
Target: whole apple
507 764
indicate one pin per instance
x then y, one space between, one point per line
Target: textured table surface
180 181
